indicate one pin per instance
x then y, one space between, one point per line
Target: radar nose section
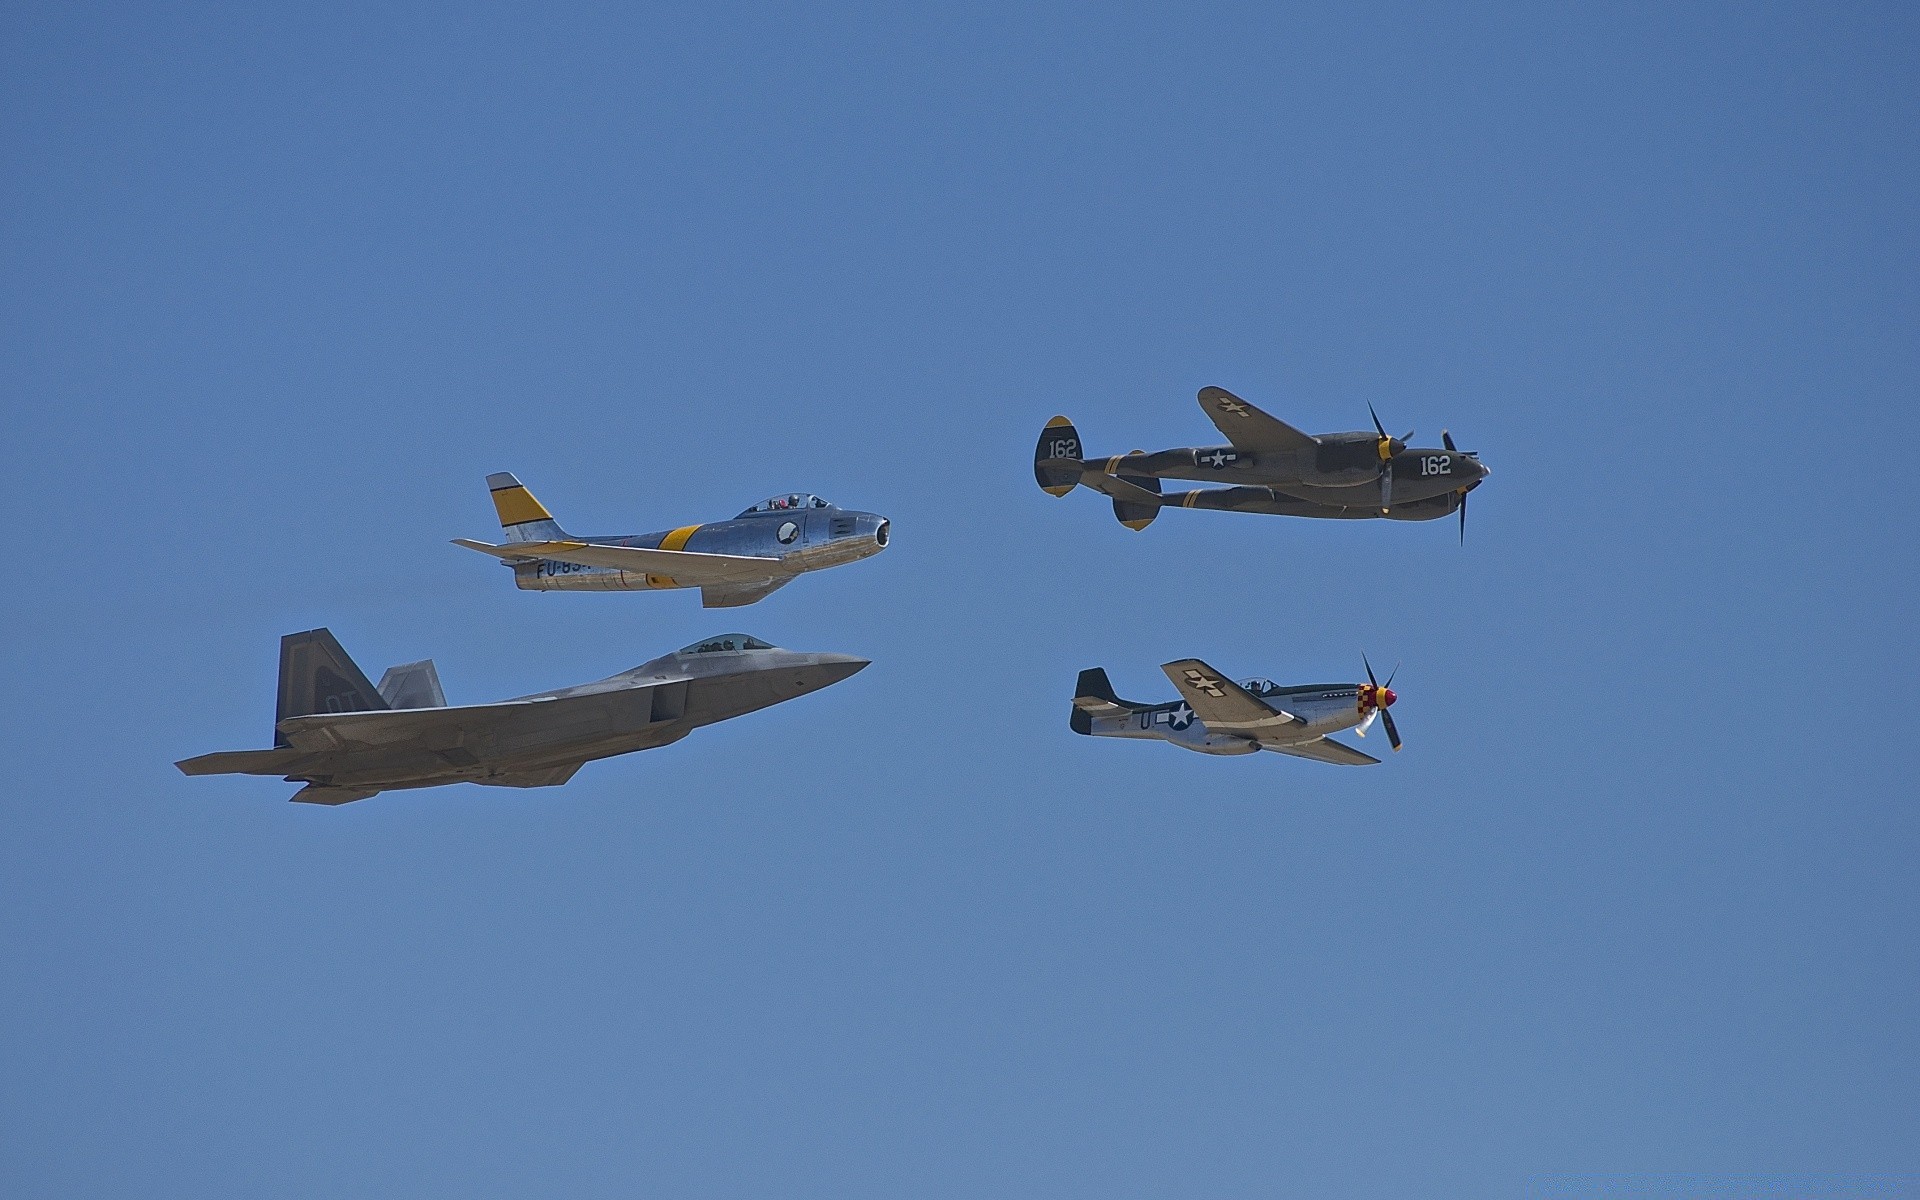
832 668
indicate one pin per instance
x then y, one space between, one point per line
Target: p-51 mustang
732 562
347 740
1273 467
1214 715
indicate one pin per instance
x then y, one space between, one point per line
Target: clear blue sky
1635 909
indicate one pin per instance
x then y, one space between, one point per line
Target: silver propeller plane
348 740
1215 715
732 562
1271 467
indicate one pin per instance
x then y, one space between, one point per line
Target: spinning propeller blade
1446 439
1380 698
1386 447
1393 735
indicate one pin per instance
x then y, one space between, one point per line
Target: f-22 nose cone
835 667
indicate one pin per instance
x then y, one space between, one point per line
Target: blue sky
1634 910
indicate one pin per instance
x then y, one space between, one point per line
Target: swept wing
688 568
732 595
1224 705
1247 427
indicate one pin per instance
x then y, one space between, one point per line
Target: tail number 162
1436 464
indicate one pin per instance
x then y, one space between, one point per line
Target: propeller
1446 439
1375 699
1386 447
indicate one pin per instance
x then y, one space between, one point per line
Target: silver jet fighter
347 740
1215 715
1271 467
732 562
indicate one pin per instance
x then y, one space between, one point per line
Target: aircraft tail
316 676
1093 697
1136 498
1056 457
522 518
1137 512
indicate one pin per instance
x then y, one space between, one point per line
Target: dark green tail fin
1135 512
1056 457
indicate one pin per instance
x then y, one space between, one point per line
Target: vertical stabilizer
1093 699
523 518
413 685
316 676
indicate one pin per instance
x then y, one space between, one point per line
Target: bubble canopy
727 643
787 503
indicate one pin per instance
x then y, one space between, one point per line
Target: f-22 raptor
1273 468
347 740
732 562
1215 715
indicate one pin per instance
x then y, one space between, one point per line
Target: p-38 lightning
1272 467
732 562
347 740
1215 715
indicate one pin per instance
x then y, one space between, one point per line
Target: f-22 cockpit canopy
787 503
727 643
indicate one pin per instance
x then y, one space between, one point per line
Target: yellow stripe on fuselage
677 540
517 506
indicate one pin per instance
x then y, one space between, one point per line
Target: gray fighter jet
732 562
347 740
1273 468
1214 715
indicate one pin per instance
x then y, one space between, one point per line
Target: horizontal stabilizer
1124 490
687 568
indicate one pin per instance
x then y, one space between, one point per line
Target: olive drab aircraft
1270 467
347 740
732 562
1215 715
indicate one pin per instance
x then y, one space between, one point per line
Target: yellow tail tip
516 506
